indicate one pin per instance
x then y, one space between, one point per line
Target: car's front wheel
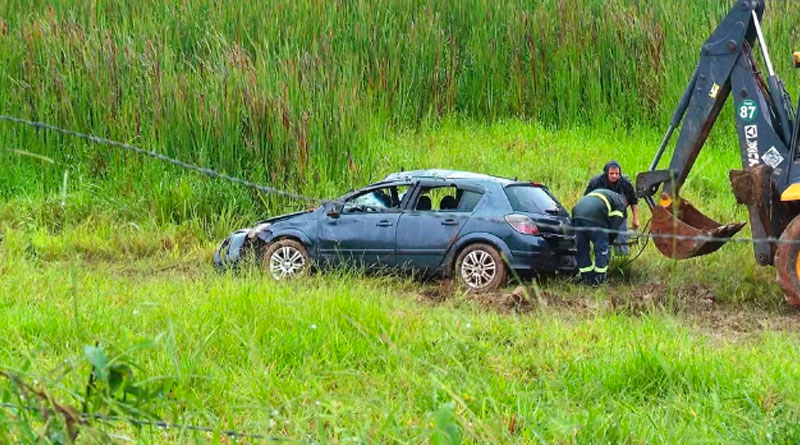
286 258
480 268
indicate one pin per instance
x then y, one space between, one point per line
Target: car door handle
384 223
449 222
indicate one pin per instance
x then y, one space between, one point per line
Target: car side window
468 201
384 199
446 198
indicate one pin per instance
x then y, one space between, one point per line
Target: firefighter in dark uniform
613 179
600 209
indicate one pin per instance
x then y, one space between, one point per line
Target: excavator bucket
688 223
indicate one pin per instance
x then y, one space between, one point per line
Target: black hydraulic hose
677 116
645 230
661 147
793 142
782 109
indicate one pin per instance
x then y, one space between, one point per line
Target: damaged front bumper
234 248
230 251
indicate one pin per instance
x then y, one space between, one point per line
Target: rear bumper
553 262
553 253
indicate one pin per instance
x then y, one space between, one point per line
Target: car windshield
382 199
529 198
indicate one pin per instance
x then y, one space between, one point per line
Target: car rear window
528 198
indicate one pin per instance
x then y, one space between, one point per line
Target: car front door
363 234
432 223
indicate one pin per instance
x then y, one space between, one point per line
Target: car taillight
522 224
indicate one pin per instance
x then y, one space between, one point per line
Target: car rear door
425 234
364 233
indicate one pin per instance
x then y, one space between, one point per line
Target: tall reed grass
292 92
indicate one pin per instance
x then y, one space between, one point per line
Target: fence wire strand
165 425
206 171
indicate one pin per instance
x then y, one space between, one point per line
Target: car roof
443 174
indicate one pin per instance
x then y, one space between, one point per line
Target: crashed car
476 228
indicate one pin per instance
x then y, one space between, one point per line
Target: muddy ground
693 303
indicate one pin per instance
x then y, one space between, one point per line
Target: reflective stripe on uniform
601 269
611 213
586 269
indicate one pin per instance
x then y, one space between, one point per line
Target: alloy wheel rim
286 262
478 269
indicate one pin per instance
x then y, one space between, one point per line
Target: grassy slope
342 356
379 365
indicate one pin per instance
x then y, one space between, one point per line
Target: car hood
275 219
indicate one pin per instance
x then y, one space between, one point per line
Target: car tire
480 268
286 259
787 263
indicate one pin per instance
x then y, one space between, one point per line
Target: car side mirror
336 210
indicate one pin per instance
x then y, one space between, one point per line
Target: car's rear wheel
286 259
480 268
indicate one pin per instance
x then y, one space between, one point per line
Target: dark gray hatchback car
474 227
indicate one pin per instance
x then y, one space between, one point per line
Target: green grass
338 356
99 245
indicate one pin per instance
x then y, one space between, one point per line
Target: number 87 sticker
748 110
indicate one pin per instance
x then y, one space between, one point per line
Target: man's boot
588 278
598 279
